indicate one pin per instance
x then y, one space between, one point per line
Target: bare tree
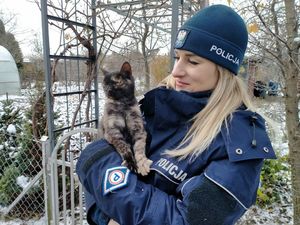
79 41
147 38
275 38
9 20
145 34
292 71
7 40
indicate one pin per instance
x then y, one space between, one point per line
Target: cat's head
119 84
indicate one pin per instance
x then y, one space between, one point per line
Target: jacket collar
170 107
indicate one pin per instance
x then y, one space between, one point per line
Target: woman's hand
112 222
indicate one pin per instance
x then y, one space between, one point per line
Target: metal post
54 188
46 169
175 15
47 66
72 187
96 62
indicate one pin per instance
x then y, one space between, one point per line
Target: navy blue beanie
216 33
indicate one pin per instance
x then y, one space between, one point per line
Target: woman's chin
182 89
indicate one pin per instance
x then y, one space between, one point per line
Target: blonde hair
229 94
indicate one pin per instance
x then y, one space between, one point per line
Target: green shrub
9 116
274 181
9 189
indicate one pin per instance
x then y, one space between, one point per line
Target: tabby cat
122 124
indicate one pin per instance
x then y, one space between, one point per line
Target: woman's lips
181 83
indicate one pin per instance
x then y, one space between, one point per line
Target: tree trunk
145 59
292 123
145 54
203 3
291 104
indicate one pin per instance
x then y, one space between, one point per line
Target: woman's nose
178 69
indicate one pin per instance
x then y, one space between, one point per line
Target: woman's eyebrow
189 54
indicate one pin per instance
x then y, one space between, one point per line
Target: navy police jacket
216 188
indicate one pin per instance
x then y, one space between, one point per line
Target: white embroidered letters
171 169
226 55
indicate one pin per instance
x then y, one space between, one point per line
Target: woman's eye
176 58
193 62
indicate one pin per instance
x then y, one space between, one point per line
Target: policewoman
206 141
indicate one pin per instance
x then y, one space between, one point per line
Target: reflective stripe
226 191
185 184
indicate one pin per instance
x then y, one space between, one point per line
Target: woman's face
193 73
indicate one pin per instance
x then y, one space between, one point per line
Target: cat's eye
115 78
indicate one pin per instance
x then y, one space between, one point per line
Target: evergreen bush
10 127
20 157
275 180
9 189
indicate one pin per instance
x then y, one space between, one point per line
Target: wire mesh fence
25 178
21 183
37 182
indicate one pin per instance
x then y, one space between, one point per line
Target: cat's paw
129 162
143 166
130 165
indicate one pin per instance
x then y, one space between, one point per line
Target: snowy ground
277 214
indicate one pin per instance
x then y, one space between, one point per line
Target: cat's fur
122 124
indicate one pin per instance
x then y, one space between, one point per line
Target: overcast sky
28 21
28 18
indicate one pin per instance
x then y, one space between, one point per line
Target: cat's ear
104 71
126 68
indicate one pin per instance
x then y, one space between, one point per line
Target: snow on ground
21 222
275 214
41 221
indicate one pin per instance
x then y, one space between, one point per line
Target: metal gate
70 62
64 200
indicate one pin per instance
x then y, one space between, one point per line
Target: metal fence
63 191
35 183
21 180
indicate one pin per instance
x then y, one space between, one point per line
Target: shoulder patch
115 178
